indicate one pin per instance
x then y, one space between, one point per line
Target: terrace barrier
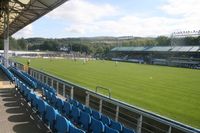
141 120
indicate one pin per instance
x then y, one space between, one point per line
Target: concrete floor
16 116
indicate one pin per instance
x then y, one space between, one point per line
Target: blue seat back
105 120
73 129
49 96
7 72
35 101
53 100
59 104
110 130
75 114
74 102
61 124
116 125
44 92
81 106
88 110
51 89
127 130
26 92
41 106
96 115
29 96
85 120
67 108
32 96
50 114
96 126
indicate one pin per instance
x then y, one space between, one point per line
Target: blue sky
86 18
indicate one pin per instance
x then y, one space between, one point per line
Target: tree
22 43
163 41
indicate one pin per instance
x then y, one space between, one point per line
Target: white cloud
25 32
89 19
184 8
187 11
76 29
77 11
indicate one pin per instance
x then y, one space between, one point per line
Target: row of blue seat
41 85
23 77
88 119
55 121
7 72
80 114
100 117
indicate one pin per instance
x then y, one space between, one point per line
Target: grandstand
180 56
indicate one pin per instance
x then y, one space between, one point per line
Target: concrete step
6 84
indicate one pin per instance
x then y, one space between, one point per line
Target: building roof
158 49
24 12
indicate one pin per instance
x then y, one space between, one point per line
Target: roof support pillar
6 34
6 48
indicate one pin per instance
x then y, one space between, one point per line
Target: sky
91 18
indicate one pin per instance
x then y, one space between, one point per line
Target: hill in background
93 45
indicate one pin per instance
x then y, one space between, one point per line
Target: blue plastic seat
88 110
59 104
53 100
61 124
116 125
96 115
49 96
73 129
7 72
81 106
110 130
85 120
35 101
44 93
105 120
26 92
96 126
22 89
41 108
29 96
67 108
32 96
74 102
75 114
51 89
50 116
127 130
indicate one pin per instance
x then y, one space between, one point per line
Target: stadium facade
179 56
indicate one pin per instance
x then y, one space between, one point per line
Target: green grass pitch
168 91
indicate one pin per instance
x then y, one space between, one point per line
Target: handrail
139 110
107 89
147 113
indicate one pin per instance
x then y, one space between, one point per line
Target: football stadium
126 88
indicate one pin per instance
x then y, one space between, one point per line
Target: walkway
15 114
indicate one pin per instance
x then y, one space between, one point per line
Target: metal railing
103 88
131 116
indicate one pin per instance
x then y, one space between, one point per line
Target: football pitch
168 91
